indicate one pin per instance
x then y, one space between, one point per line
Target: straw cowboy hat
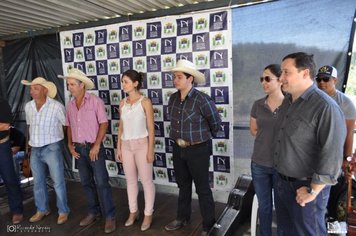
50 86
189 68
79 75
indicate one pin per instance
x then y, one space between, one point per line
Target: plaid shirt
195 119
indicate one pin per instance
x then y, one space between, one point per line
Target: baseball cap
327 71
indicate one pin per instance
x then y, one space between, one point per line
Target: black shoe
176 224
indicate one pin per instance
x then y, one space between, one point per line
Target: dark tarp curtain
26 59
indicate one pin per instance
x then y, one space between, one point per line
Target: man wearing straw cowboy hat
45 118
194 120
87 123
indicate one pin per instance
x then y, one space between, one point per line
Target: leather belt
292 179
183 144
3 140
85 144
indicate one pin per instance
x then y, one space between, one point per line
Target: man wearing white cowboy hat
87 123
194 120
45 118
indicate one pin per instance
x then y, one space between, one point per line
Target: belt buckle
182 143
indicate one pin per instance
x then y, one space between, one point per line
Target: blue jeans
49 156
98 189
192 164
292 219
10 178
263 182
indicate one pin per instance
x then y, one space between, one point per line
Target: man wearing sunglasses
326 80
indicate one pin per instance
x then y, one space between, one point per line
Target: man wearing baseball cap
194 121
45 118
326 80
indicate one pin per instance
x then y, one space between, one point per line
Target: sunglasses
266 78
325 79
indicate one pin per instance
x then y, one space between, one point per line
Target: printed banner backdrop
153 47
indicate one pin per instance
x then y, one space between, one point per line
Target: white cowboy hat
190 68
74 73
50 86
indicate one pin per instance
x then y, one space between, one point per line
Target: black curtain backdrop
26 59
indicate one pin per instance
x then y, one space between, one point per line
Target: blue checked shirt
195 119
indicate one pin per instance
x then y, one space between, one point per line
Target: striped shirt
46 125
195 119
84 122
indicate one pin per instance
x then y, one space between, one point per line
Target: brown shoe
146 224
17 218
62 218
38 216
132 218
87 220
110 225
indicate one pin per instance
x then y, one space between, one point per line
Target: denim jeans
50 156
292 219
192 164
98 192
263 182
10 178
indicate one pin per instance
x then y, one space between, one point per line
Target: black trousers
192 164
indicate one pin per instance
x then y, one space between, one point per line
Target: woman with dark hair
135 146
263 116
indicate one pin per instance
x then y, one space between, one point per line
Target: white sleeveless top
134 120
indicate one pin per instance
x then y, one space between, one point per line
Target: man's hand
303 196
73 152
4 126
94 151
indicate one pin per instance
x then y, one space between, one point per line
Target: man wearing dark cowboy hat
45 118
87 123
194 120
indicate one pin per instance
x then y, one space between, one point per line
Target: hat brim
50 86
85 80
199 77
324 75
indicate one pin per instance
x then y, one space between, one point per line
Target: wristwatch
312 192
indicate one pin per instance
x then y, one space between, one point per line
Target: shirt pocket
300 130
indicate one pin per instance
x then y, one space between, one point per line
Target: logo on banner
100 36
80 66
153 63
113 50
115 97
222 164
201 24
156 96
158 144
113 66
100 52
113 35
168 45
154 80
169 144
223 131
201 42
103 83
218 40
139 32
69 67
115 112
91 68
139 48
220 95
114 82
201 60
125 64
68 55
167 95
153 30
222 111
125 33
220 147
104 95
171 175
157 113
159 130
78 39
160 160
125 49
169 28
160 173
139 64
89 53
101 67
153 46
168 62
184 56
79 54
89 39
184 43
219 77
167 80
218 21
221 180
185 26
115 126
67 41
107 141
